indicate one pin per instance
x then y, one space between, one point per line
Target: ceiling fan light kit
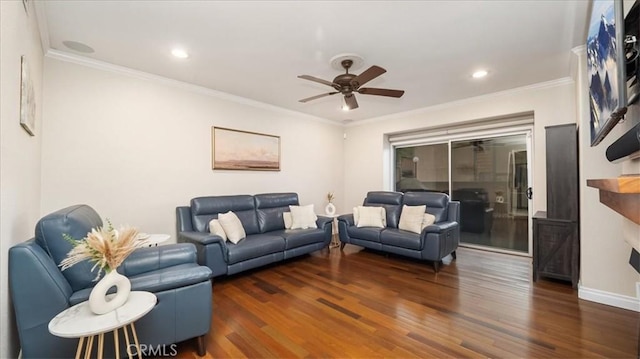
348 84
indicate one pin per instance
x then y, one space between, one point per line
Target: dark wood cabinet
556 242
556 249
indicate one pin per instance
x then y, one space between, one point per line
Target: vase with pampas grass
330 209
107 248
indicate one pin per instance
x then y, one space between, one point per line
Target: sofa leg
454 255
202 348
342 244
436 266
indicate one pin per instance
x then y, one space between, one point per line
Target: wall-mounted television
606 64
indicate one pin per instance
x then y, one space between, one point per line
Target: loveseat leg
202 348
436 266
342 244
454 255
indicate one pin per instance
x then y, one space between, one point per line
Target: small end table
154 239
80 322
335 241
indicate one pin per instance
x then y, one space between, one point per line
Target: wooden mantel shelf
621 194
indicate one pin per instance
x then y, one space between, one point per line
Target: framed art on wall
243 150
27 99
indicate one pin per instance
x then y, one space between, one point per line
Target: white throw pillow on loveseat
411 218
303 217
365 216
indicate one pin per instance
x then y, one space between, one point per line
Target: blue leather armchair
39 290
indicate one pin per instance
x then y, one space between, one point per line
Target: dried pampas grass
107 247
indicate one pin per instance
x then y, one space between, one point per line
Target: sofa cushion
295 238
204 209
232 227
303 217
411 218
437 203
392 203
255 245
366 233
270 208
401 238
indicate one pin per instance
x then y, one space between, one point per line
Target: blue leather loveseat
261 216
435 242
39 290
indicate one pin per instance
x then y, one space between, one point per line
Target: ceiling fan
348 84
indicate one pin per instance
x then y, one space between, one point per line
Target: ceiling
256 49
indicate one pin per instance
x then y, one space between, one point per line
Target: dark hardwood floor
363 304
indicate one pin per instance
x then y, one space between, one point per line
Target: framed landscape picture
243 150
27 99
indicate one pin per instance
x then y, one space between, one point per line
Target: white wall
135 148
605 272
19 153
553 103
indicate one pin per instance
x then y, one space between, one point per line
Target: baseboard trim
608 298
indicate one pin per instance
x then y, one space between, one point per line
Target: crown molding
141 75
396 116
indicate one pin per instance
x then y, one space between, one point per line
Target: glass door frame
526 130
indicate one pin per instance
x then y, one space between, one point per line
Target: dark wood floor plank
362 304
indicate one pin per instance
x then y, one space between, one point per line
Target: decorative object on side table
330 209
107 248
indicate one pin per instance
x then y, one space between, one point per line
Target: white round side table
154 239
80 322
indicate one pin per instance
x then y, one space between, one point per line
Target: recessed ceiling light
479 74
179 53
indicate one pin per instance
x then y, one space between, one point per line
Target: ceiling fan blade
381 92
351 102
370 74
315 79
317 96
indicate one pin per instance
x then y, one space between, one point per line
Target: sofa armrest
199 238
323 221
440 227
347 219
153 258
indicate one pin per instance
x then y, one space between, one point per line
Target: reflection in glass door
489 176
422 168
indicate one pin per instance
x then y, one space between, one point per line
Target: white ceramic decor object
330 209
100 302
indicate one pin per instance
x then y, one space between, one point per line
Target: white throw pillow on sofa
411 218
216 228
303 217
428 220
370 216
288 221
232 227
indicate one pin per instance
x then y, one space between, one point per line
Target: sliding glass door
490 178
489 175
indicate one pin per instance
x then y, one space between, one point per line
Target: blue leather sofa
267 239
433 244
39 290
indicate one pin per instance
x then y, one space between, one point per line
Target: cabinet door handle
529 192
